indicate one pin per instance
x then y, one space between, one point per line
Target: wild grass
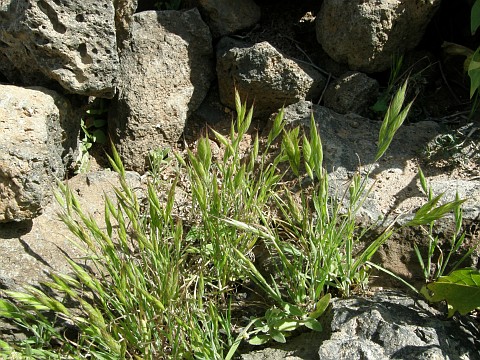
151 287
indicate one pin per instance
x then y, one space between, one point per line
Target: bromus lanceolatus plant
136 303
432 271
153 287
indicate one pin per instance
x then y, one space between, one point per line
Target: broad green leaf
273 315
259 339
321 306
474 72
381 105
99 136
313 324
475 16
99 123
292 310
259 323
288 325
461 290
278 336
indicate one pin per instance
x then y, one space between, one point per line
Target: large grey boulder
165 73
388 325
69 42
39 132
227 17
366 34
395 326
263 75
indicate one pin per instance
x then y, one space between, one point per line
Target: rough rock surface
367 34
39 132
71 42
350 140
394 326
390 325
227 17
124 10
352 92
264 75
165 74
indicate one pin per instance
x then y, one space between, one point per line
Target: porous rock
351 92
69 42
165 73
124 10
39 132
263 75
227 17
367 34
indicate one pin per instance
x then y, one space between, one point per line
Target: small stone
263 75
353 92
227 17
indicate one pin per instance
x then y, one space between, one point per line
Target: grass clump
152 286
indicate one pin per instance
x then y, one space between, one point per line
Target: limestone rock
227 17
366 34
165 73
264 75
352 92
69 42
39 136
